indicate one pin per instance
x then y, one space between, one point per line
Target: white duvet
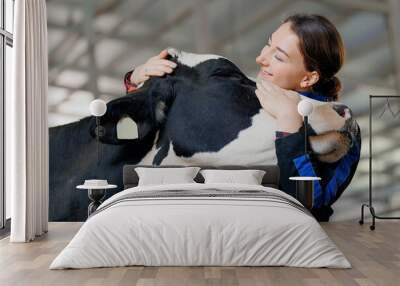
181 231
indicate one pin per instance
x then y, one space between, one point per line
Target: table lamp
305 108
305 185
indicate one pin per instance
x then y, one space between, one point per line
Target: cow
204 113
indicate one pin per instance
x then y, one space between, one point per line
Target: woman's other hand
281 104
155 66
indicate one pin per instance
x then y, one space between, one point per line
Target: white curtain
27 124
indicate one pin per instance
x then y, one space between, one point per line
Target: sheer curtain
27 125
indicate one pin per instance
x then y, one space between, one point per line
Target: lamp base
305 193
305 190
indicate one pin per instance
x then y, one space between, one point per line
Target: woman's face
281 61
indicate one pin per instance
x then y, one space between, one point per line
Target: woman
301 56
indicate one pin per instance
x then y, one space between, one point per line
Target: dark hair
322 48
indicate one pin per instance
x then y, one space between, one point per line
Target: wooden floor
374 255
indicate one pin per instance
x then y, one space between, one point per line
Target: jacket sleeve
129 86
335 177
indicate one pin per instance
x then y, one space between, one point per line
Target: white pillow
161 176
249 177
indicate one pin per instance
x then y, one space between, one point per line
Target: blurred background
92 44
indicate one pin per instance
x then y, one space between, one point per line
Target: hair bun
329 87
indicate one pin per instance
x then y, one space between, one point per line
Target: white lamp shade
98 107
305 107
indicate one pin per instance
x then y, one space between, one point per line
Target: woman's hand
155 66
281 104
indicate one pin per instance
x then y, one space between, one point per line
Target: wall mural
204 113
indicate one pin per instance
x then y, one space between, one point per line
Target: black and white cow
204 113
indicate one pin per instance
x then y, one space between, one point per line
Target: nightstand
305 190
96 195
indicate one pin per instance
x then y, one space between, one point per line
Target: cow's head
146 107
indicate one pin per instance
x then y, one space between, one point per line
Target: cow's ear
132 105
148 107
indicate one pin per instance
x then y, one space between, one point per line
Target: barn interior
92 44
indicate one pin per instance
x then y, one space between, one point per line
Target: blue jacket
335 177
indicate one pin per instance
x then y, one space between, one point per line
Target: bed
198 224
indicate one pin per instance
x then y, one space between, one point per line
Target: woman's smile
265 74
